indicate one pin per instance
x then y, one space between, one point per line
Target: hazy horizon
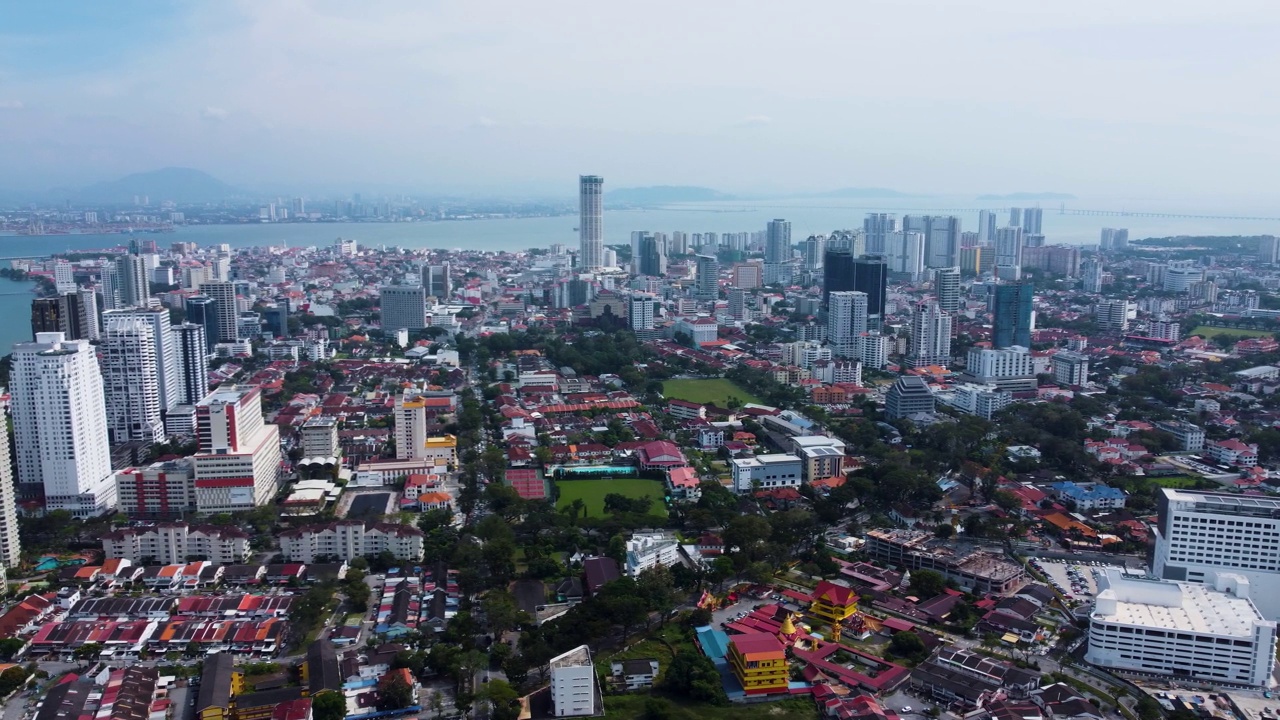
1139 99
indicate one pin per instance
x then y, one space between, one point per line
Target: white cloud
212 112
11 105
485 122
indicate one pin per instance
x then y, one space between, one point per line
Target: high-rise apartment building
651 255
61 313
707 278
1112 315
225 313
941 237
946 288
109 285
846 321
238 464
203 311
739 303
192 379
60 425
1268 249
877 226
930 335
403 306
1008 250
904 254
10 542
90 324
1091 275
167 359
64 279
986 226
1200 533
435 278
1070 368
837 273
131 378
1010 369
814 249
134 282
591 222
1032 221
1015 217
748 276
1012 315
641 311
777 247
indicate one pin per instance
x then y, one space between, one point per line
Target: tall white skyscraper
63 277
877 227
641 311
133 393
225 311
930 335
403 306
109 286
1009 246
904 253
846 321
90 325
1032 221
134 288
815 247
941 237
986 226
10 543
591 222
60 425
946 287
1091 274
167 359
777 247
193 363
1015 217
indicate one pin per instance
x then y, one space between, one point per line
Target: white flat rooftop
1203 610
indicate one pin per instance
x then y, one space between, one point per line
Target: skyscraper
837 273
986 226
1012 315
941 237
871 276
238 466
641 311
815 250
904 253
1015 217
930 335
403 306
707 279
134 285
58 314
226 314
193 363
651 259
10 543
591 222
166 350
276 319
1009 247
877 226
1091 274
946 287
89 317
435 278
60 425
846 321
109 285
203 311
777 248
64 280
131 380
1032 221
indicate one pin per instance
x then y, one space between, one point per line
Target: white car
906 708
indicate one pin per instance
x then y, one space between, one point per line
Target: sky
1141 98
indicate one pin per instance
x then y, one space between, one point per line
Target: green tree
907 645
329 705
694 676
502 698
927 583
395 694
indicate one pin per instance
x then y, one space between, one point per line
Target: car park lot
1078 580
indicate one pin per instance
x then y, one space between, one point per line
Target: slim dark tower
1011 316
841 272
203 310
58 314
837 273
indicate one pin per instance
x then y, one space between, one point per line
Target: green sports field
716 391
1209 333
592 493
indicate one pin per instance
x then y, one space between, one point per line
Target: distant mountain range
1023 196
181 185
666 194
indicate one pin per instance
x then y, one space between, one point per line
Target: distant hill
181 185
662 194
871 192
1022 196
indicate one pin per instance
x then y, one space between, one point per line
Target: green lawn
1176 482
1209 333
631 707
592 493
716 390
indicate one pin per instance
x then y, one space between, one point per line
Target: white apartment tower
133 284
60 425
846 322
930 335
1091 275
1008 243
167 358
904 253
946 287
89 325
590 222
777 248
10 543
192 379
63 277
133 393
641 311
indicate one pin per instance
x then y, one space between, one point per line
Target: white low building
177 542
573 684
647 550
349 539
769 471
1211 632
